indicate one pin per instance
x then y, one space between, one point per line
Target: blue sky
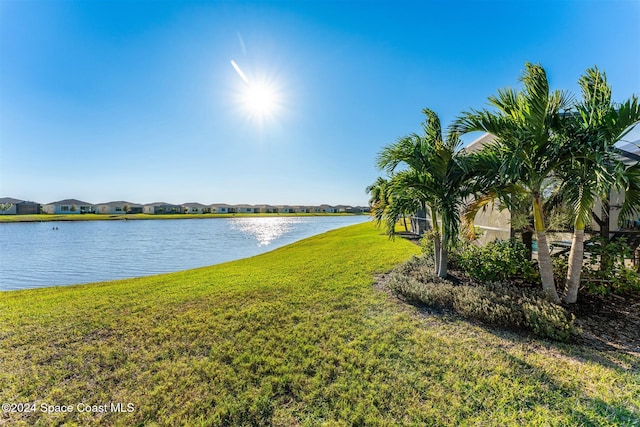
138 100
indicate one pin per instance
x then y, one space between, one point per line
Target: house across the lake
160 208
11 206
196 208
222 208
120 207
68 206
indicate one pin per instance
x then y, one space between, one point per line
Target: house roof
161 204
119 203
10 200
70 202
220 205
194 205
479 143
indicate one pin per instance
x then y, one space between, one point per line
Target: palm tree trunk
436 240
576 257
444 257
404 219
544 256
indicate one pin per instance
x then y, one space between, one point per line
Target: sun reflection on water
263 230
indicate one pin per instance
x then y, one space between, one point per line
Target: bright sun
260 99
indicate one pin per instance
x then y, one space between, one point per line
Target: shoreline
8 219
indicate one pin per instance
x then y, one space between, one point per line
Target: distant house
246 209
11 206
344 209
285 209
160 208
266 209
118 208
222 208
301 209
195 208
322 209
68 206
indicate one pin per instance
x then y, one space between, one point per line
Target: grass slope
297 336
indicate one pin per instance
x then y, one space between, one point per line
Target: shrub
598 278
499 303
499 260
614 276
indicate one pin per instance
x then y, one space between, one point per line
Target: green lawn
297 336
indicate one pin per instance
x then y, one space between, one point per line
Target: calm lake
36 255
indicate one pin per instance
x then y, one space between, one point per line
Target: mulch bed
610 322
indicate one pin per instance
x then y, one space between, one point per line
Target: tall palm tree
526 125
433 170
593 166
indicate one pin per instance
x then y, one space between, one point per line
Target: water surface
37 254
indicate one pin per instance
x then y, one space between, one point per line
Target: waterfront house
246 209
494 221
118 208
11 206
344 209
266 209
196 208
222 208
301 209
68 206
323 209
160 208
285 209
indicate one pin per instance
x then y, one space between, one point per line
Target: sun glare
260 99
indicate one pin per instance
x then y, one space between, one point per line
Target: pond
62 253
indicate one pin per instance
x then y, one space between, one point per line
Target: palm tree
379 200
389 202
526 125
435 175
593 167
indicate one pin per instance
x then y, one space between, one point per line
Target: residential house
494 221
68 206
196 208
222 208
344 209
118 208
246 209
285 209
11 206
160 208
301 209
266 209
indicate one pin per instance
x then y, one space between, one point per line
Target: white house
68 206
246 209
160 208
195 208
118 208
222 208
